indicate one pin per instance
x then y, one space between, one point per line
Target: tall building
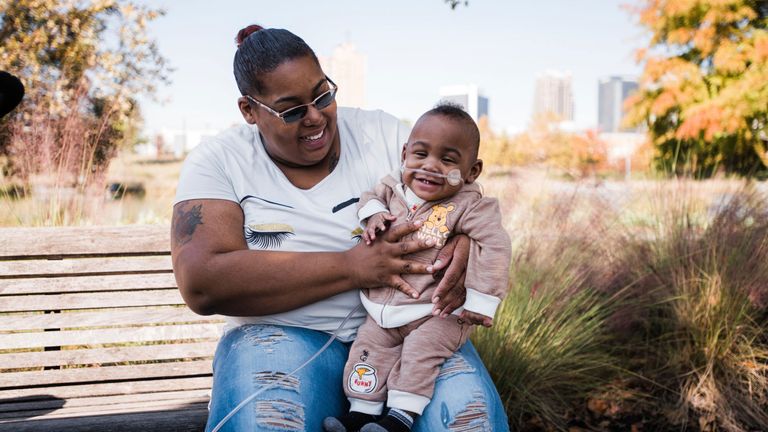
469 97
554 95
611 94
347 68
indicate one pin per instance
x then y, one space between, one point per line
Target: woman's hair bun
244 33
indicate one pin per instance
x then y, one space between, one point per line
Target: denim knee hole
473 418
453 366
279 415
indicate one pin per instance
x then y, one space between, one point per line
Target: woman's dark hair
261 50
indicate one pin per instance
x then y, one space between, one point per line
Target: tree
703 94
454 3
83 64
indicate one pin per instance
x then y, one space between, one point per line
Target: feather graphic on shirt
357 234
269 235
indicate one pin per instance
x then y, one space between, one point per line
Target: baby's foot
349 422
395 421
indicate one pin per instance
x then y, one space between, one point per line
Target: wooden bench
94 335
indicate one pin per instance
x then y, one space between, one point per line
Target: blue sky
413 47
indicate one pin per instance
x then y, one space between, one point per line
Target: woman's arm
217 273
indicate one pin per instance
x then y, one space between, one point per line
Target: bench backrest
94 311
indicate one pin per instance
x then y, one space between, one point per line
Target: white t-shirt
279 216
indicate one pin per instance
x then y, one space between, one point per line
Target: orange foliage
721 90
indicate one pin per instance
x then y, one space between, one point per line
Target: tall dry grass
49 203
654 292
706 314
551 343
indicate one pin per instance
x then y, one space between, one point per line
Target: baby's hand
476 318
376 223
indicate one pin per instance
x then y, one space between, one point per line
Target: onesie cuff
369 209
407 401
481 303
366 407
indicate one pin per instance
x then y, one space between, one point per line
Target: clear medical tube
453 177
285 377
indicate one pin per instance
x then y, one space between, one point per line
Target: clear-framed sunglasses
294 114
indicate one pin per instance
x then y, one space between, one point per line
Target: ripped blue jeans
252 356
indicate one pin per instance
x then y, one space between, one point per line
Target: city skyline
554 95
347 67
469 96
412 49
612 92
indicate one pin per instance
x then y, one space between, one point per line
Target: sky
413 47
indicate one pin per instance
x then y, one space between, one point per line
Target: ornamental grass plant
642 310
704 345
550 346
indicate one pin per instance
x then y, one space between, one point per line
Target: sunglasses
294 114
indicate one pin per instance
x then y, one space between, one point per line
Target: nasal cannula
285 377
453 177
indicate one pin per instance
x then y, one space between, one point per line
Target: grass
50 204
550 345
709 316
639 308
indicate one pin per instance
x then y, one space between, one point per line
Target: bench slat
107 373
106 389
107 317
98 300
84 266
190 418
58 285
84 240
51 404
41 359
172 314
112 335
134 405
12 408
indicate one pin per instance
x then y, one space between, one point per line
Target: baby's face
438 144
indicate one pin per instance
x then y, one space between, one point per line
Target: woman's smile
314 140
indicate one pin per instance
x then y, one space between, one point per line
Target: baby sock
396 420
349 422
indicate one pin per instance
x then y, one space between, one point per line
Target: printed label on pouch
363 378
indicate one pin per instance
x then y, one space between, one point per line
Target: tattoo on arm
185 221
333 162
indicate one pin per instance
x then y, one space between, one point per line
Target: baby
400 348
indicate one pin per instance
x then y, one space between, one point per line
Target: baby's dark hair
260 51
456 112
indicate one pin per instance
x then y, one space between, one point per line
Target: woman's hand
451 265
381 263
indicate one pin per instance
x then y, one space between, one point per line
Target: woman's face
305 142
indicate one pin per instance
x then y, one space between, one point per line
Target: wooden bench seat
94 335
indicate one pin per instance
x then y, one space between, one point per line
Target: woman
265 232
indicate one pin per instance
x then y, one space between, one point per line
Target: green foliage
702 95
83 64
